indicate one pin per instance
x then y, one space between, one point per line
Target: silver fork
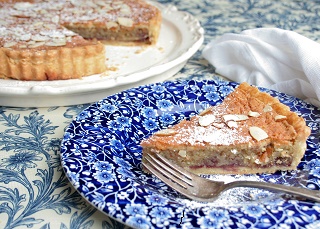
205 190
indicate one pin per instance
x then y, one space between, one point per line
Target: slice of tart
249 132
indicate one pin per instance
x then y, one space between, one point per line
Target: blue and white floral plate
101 155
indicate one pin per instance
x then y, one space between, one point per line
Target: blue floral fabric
35 192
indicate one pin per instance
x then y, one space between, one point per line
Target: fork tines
169 173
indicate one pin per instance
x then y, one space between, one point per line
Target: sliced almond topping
267 108
205 111
102 3
253 114
25 37
56 43
242 117
258 133
35 45
229 117
47 26
125 9
39 37
75 2
69 33
90 4
56 35
232 124
218 125
206 120
165 132
280 117
9 44
22 5
38 24
127 22
234 117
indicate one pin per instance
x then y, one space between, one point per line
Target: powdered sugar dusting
211 134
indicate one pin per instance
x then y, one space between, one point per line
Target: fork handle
302 192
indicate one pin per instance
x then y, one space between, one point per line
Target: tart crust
249 132
61 39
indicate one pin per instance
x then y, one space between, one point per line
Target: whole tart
64 39
249 132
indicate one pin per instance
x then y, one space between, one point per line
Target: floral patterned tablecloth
35 192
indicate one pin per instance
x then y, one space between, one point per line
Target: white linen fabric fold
269 57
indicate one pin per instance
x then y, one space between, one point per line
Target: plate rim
234 84
50 89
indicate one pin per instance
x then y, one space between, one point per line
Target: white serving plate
180 37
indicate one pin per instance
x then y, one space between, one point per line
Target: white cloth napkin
268 57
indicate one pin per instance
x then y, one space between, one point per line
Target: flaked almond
25 37
90 4
9 44
56 34
102 3
48 26
76 2
242 117
31 42
22 5
228 117
38 24
35 45
39 37
280 117
165 132
43 11
127 22
125 9
206 120
267 108
232 124
205 111
218 125
258 133
253 114
56 43
234 117
69 33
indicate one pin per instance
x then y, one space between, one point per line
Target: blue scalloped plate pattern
101 155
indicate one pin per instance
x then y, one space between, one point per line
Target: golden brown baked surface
64 39
250 132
